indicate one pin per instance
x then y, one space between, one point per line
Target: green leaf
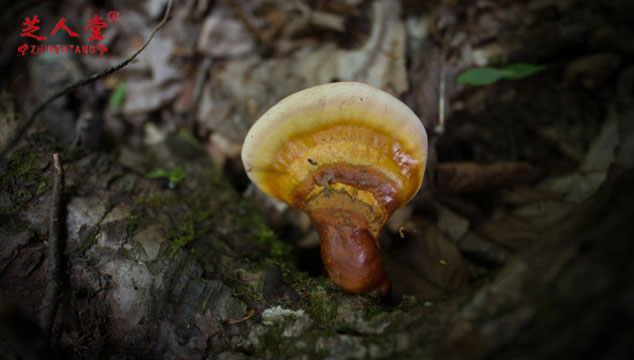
487 75
522 70
116 99
158 173
174 175
481 76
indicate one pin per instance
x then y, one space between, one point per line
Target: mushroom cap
347 123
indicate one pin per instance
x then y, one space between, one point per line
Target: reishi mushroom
348 155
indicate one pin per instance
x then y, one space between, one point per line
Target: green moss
186 219
144 209
324 310
371 310
323 302
174 175
193 224
260 232
132 219
43 185
20 168
88 242
188 138
188 235
153 200
272 345
277 247
22 180
117 96
205 216
271 341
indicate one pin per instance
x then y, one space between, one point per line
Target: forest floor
517 246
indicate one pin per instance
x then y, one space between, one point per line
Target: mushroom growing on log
348 155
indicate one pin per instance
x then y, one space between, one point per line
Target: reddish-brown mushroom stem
348 155
349 251
350 223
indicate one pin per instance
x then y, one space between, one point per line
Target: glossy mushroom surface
349 155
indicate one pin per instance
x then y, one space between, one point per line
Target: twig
48 306
26 124
440 127
202 79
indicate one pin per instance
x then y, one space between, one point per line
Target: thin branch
202 79
48 306
25 125
440 127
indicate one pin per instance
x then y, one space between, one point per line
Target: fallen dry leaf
143 96
592 71
158 55
207 324
313 18
451 223
525 224
470 177
522 195
581 185
224 35
437 268
381 60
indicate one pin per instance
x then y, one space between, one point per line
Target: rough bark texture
178 271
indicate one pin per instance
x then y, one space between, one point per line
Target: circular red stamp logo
113 16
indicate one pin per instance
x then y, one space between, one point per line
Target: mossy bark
176 270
